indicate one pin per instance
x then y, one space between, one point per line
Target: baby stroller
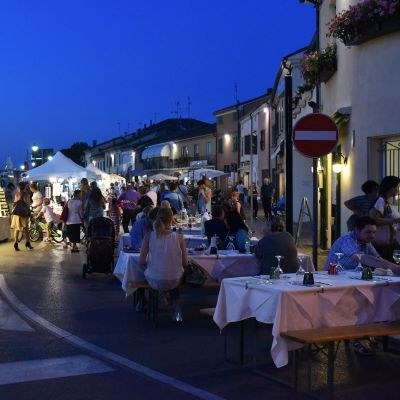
100 247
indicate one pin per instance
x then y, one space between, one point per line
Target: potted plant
318 66
365 20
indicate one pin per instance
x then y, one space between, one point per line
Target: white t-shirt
48 214
74 212
37 200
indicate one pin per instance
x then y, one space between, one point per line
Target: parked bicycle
37 227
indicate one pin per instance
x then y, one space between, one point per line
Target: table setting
288 304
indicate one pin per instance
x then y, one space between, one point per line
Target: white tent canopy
104 176
59 167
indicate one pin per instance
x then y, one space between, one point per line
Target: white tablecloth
128 270
227 264
341 301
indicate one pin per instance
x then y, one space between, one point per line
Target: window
220 145
184 151
235 143
262 139
196 150
208 150
247 140
234 116
220 120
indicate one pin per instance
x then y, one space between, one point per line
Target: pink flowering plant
351 22
315 61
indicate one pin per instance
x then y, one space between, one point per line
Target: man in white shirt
37 198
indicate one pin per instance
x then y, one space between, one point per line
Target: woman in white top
383 214
74 220
164 253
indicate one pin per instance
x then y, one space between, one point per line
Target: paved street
66 338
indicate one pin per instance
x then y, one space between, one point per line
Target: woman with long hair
164 254
20 223
95 204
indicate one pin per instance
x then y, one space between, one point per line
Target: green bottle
366 274
272 273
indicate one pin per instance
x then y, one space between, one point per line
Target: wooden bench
328 336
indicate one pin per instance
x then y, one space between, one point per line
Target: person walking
204 197
20 216
267 195
74 220
95 204
37 198
255 200
128 202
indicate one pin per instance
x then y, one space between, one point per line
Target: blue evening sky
80 70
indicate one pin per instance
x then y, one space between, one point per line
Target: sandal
361 348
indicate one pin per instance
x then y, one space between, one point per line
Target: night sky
75 71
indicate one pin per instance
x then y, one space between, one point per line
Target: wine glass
230 246
301 271
359 267
339 267
396 256
278 269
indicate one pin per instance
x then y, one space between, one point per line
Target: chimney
94 143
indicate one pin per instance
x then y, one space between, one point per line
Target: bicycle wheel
56 235
34 233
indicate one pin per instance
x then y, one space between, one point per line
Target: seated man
358 241
216 226
276 242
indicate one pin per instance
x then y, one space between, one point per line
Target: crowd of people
148 212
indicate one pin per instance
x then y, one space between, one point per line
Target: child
49 216
114 214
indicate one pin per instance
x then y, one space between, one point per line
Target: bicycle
37 228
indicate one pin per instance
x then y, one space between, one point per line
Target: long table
333 301
128 270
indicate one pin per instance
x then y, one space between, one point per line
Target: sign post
315 135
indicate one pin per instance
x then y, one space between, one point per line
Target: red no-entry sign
315 135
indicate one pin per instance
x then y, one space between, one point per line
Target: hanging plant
358 22
318 66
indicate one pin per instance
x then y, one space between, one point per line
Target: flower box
374 30
326 73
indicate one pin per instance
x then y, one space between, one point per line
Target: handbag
194 275
64 213
21 209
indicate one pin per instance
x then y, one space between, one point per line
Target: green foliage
76 152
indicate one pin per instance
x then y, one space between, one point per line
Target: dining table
287 304
224 264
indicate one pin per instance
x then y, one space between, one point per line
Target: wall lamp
337 165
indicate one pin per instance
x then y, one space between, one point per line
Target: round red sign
315 135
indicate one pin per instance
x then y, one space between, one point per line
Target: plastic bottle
247 245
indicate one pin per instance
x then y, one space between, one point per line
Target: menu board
4 211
